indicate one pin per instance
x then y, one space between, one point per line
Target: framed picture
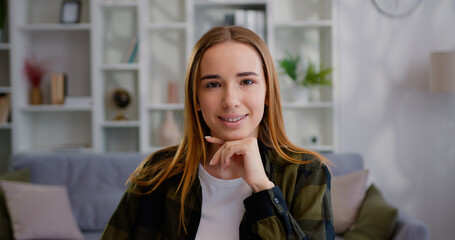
71 11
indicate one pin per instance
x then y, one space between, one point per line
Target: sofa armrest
410 228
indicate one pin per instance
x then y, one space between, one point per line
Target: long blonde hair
192 148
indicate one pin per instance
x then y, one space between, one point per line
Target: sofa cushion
348 192
40 211
95 182
5 224
376 219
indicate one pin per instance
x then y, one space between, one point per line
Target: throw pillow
40 211
348 191
376 220
5 224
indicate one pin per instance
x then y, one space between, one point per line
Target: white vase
169 131
315 94
301 94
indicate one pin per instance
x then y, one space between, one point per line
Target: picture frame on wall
71 11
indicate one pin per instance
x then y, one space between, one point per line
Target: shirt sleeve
310 214
122 221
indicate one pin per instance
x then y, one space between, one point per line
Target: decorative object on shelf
58 88
3 17
130 55
71 11
121 99
34 71
310 82
315 140
5 107
397 8
170 131
442 72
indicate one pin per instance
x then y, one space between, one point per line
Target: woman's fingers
214 140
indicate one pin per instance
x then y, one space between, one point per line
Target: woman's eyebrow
244 74
215 76
212 76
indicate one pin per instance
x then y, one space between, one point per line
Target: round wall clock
397 8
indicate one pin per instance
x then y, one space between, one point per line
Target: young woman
234 174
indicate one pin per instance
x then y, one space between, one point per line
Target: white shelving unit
93 54
5 88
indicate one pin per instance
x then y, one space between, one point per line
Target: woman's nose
231 98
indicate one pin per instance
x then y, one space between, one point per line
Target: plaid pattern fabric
298 207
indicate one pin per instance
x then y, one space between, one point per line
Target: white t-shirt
222 206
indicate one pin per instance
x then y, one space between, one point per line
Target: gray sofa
408 227
96 182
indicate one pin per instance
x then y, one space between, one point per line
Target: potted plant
34 71
309 81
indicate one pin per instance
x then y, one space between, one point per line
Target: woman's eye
212 85
247 82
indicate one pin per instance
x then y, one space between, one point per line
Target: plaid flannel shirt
298 207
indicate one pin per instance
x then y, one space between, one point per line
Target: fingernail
207 137
211 162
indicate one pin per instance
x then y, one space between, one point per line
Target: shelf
5 125
291 105
5 89
55 27
56 108
120 66
165 107
4 46
304 24
120 124
124 3
210 3
93 51
167 26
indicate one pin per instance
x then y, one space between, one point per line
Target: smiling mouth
236 119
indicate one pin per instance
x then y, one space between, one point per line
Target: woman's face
231 90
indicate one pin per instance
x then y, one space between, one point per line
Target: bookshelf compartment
127 80
252 16
167 59
62 52
125 139
310 122
48 131
120 35
309 43
4 69
157 118
48 11
166 11
302 10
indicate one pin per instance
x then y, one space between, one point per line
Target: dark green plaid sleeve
298 207
122 221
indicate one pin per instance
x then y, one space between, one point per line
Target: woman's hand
243 157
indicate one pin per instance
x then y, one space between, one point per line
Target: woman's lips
233 118
232 121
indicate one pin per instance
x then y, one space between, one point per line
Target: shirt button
276 200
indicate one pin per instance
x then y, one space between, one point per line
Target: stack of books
251 19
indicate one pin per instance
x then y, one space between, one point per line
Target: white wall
405 134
